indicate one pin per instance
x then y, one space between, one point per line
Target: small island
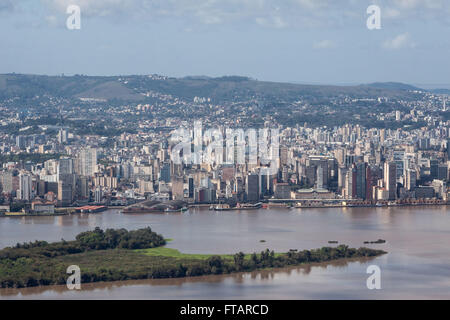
115 255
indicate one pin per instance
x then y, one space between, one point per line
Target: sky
304 41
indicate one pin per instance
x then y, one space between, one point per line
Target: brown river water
417 265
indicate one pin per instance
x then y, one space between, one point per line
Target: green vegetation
174 253
114 255
32 157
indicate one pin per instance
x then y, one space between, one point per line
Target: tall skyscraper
373 174
20 142
411 178
342 172
320 177
316 162
252 187
62 136
448 148
390 179
191 187
87 162
177 189
350 184
399 159
164 174
361 180
65 166
65 193
434 165
98 195
25 187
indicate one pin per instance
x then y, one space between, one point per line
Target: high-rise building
164 174
65 193
350 184
87 162
434 166
62 136
442 172
424 144
98 195
411 178
342 172
448 149
82 187
284 153
372 176
316 162
282 191
191 187
65 166
21 142
361 180
7 182
252 187
390 179
320 177
25 185
263 182
399 159
178 189
382 135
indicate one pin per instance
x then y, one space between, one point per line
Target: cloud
324 44
268 13
273 22
413 4
399 42
426 10
94 7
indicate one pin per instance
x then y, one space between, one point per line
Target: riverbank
100 289
21 214
319 205
117 255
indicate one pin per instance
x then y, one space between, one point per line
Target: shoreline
71 210
90 286
119 254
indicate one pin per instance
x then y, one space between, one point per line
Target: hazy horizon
297 41
428 86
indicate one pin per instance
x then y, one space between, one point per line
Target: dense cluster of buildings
348 163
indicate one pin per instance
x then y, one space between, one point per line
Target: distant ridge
135 88
394 86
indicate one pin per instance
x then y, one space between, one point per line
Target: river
417 265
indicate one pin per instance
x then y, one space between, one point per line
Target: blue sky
308 41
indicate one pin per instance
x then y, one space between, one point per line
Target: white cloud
413 4
270 13
94 7
324 44
399 42
273 22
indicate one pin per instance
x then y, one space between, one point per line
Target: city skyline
224 149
